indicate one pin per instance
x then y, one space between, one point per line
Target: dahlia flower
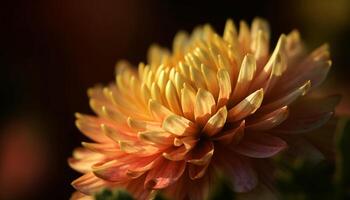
214 104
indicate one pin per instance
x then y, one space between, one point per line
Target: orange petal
89 184
165 174
197 171
202 153
176 153
216 122
204 107
179 126
224 81
246 75
246 107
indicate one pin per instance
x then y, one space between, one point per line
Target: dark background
52 51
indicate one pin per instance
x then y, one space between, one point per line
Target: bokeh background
51 51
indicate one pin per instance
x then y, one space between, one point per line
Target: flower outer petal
246 107
164 174
260 145
204 106
179 126
216 122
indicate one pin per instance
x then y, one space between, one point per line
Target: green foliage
222 190
113 195
343 160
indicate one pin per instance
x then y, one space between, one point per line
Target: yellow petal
204 107
158 110
230 33
179 126
210 79
188 97
155 137
216 122
224 81
172 98
246 107
246 75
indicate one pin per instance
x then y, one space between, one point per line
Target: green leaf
118 194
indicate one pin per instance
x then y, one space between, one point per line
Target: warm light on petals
213 104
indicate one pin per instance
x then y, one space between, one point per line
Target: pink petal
240 170
89 184
308 114
230 136
165 174
260 145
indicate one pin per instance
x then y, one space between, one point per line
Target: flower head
216 103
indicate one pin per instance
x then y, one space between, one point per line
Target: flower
214 104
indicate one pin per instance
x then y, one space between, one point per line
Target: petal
241 171
308 114
197 171
165 174
216 122
89 184
224 81
204 107
260 145
156 137
246 107
90 127
83 159
246 74
269 121
176 153
112 171
172 98
179 126
158 110
202 153
233 135
188 98
287 99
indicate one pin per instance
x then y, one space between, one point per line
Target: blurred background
51 51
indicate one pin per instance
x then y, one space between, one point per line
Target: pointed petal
179 126
165 174
243 176
268 121
260 145
202 153
232 136
89 184
287 99
172 98
188 98
308 114
197 171
224 81
246 74
158 110
216 122
176 153
156 137
246 107
204 107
